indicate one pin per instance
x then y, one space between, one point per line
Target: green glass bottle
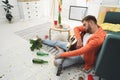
41 53
59 18
39 61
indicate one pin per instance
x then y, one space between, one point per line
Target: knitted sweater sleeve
77 31
93 44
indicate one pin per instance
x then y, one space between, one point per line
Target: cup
55 22
90 77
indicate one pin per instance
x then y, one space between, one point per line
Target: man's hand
57 56
79 43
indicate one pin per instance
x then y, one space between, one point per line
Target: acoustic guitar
70 46
71 43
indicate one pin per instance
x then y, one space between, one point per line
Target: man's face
87 26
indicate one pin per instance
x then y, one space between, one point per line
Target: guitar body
72 43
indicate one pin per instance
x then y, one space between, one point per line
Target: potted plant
7 8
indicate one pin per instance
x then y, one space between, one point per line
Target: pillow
111 27
112 17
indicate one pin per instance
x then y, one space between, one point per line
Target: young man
89 37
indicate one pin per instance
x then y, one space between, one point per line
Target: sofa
107 65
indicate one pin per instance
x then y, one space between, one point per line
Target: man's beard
89 29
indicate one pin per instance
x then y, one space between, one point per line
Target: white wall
93 9
94 5
42 8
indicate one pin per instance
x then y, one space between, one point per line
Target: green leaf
36 44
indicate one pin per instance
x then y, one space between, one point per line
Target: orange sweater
90 49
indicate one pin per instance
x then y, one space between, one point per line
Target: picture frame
77 12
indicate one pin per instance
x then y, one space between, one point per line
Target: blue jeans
68 61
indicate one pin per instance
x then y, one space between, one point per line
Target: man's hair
89 18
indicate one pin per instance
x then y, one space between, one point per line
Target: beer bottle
41 53
39 61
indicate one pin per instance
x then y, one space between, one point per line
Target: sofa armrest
107 64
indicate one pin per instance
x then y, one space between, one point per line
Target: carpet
30 33
71 73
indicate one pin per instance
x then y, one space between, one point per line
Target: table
65 28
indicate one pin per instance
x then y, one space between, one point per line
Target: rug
70 73
41 30
30 33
